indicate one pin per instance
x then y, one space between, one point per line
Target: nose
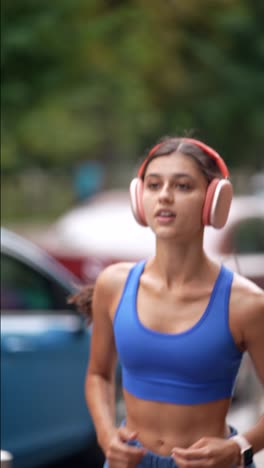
165 193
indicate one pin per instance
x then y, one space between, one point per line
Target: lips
164 213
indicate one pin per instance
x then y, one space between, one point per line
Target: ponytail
82 300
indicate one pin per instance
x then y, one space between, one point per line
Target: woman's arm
100 378
219 453
253 336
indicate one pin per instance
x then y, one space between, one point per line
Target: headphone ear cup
217 203
136 193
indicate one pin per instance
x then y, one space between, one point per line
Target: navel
160 442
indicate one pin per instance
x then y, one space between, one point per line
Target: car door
44 353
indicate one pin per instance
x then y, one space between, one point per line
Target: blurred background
88 87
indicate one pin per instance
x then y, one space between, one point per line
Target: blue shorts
152 460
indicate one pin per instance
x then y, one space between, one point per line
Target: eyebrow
177 175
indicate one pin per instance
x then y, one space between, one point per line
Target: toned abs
162 426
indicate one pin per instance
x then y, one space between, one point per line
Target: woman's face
173 196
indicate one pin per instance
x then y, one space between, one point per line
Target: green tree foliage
104 78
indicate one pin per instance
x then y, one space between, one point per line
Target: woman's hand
121 455
208 452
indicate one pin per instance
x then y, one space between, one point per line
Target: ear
136 195
217 203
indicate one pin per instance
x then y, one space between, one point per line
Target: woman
179 323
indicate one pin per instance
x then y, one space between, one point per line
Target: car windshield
26 289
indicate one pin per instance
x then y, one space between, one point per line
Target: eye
153 185
184 186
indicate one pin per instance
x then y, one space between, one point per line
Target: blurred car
103 231
240 244
94 235
44 352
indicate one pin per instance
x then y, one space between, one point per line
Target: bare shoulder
244 288
114 276
247 299
109 285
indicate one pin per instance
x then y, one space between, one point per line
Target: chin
171 233
167 233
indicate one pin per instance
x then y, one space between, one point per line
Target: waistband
152 456
153 460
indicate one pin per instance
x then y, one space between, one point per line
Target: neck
180 262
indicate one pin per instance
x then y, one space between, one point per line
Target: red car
103 231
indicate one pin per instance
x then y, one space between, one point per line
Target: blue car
44 353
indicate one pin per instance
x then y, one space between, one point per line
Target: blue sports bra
196 366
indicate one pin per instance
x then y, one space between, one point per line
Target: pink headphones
218 196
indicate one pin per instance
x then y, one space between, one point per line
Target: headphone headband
207 149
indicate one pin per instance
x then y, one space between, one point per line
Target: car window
249 236
23 288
